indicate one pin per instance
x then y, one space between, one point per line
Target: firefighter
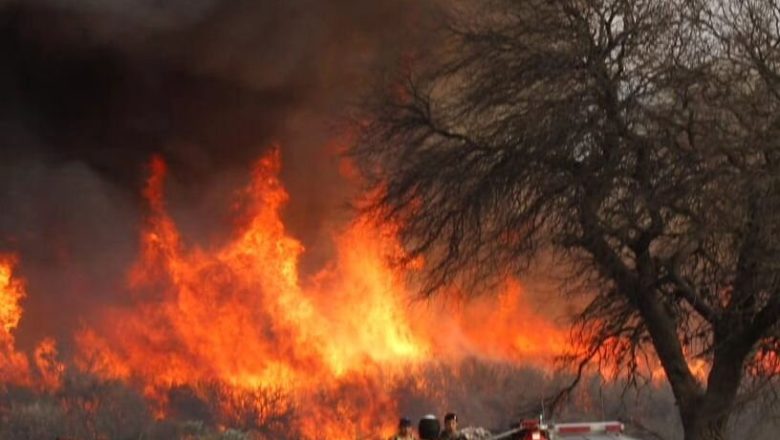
404 430
450 431
429 428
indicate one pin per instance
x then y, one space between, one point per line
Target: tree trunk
706 417
703 426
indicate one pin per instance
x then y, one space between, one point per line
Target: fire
50 369
240 315
516 332
14 367
365 303
11 294
242 328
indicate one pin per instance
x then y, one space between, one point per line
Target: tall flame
14 367
241 314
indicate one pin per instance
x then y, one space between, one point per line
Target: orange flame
14 367
242 315
50 369
11 294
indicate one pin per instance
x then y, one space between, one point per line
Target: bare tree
636 141
265 412
98 409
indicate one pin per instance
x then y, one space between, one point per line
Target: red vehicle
535 430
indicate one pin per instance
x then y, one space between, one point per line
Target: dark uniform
451 435
450 431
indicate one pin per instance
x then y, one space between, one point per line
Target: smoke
92 89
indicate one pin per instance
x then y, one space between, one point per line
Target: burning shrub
99 409
265 412
184 403
258 412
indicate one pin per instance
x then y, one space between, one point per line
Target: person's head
404 426
429 428
450 422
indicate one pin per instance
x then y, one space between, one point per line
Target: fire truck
537 430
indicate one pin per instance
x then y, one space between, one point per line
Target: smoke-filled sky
90 89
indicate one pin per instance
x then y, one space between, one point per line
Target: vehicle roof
598 436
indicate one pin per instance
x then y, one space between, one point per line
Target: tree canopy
637 141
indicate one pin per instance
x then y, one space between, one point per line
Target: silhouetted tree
636 141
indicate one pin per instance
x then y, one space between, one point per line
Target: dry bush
98 409
38 420
262 413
